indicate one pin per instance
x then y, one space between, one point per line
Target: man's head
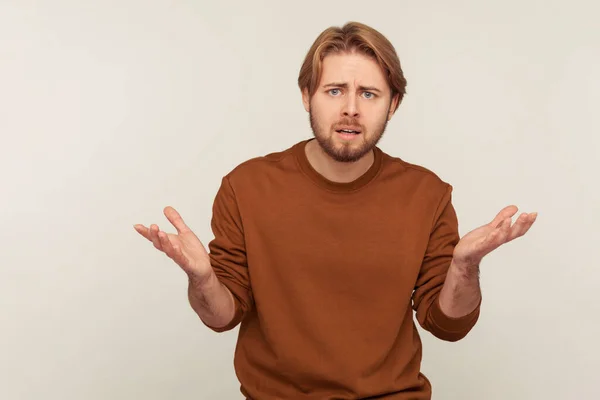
351 80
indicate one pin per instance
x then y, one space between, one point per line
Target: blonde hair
353 36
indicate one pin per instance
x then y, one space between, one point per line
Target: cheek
377 115
325 116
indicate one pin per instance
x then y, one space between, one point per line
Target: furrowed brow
345 86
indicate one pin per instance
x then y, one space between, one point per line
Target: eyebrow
345 86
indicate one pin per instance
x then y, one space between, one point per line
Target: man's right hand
210 299
184 247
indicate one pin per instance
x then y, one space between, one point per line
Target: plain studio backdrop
111 110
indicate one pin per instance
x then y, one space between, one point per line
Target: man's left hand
476 244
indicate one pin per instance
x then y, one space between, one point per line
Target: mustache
348 122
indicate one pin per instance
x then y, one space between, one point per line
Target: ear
306 99
393 105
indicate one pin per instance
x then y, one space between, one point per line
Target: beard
352 151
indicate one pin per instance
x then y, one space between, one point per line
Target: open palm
476 244
184 247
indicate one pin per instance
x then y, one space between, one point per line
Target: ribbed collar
300 155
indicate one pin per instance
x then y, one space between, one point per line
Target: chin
346 152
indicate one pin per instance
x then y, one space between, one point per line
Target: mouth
349 131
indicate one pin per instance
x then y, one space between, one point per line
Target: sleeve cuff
237 318
450 328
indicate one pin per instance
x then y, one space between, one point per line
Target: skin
208 297
352 91
461 292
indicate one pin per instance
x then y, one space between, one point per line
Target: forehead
353 68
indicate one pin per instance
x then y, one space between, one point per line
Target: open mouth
348 131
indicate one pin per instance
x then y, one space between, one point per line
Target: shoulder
263 166
427 188
417 174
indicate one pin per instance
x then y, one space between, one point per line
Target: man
323 251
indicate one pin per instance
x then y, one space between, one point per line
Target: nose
350 108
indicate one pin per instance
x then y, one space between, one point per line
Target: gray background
111 110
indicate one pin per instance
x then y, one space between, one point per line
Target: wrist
465 266
202 282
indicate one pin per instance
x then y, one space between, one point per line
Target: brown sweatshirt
326 276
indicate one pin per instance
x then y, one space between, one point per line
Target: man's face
353 95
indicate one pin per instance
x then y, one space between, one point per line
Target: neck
333 170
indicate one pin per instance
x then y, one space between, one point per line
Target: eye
334 92
368 95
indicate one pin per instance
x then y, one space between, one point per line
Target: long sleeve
438 257
227 252
327 276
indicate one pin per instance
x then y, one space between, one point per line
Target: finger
506 228
523 224
533 216
142 230
167 245
154 236
498 236
172 250
506 212
180 258
175 219
519 228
